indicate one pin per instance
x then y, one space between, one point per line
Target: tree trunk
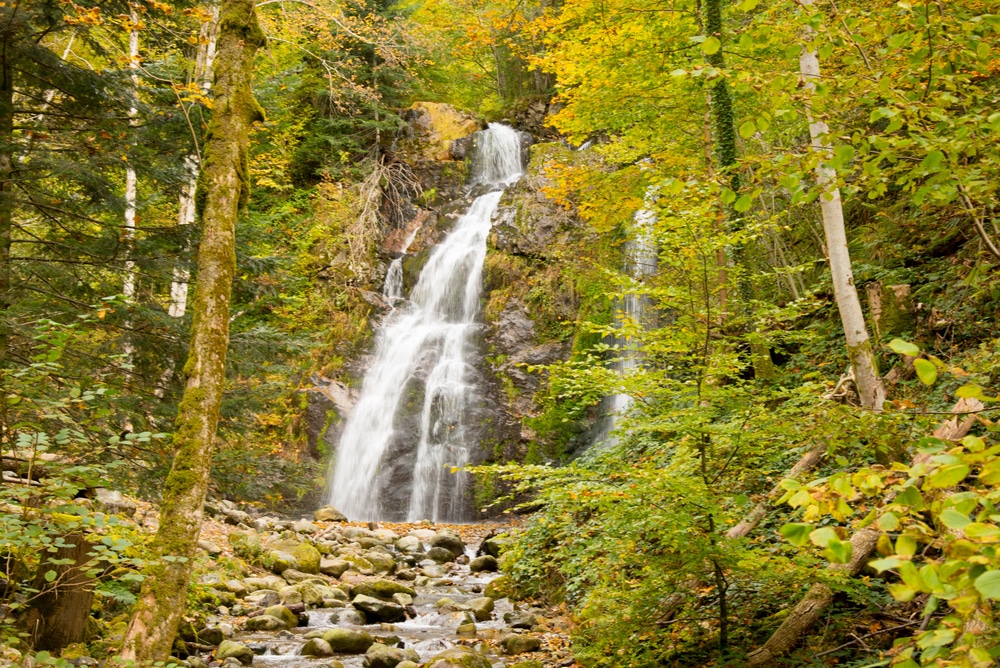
859 349
58 615
224 188
6 195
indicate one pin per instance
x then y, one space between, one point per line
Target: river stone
265 623
346 641
331 664
359 564
290 595
317 647
466 630
409 544
264 598
481 607
459 657
211 635
353 533
304 526
337 594
434 571
486 563
377 610
403 599
114 502
386 535
268 582
383 656
313 593
381 563
407 664
424 535
236 587
210 547
520 620
450 541
228 649
279 561
519 644
290 619
383 589
440 554
329 514
406 574
293 576
333 567
496 545
307 557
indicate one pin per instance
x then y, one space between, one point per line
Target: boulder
313 593
403 599
210 547
114 502
346 641
333 567
304 526
437 126
383 656
211 635
289 596
495 545
520 620
520 644
359 564
409 545
236 587
441 555
307 557
485 563
272 582
316 647
376 610
459 657
266 623
264 598
280 561
290 619
329 514
231 662
293 576
246 544
450 541
235 650
383 589
481 607
353 533
466 630
381 563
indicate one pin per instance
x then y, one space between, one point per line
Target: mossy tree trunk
6 190
223 189
859 349
724 127
58 614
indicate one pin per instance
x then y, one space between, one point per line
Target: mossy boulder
520 644
290 619
359 564
383 589
382 564
231 649
334 567
450 541
347 641
279 561
481 607
329 514
459 657
383 656
316 647
307 557
440 554
485 563
265 623
246 544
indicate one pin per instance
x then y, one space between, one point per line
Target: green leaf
743 203
906 546
901 592
947 476
988 584
911 497
711 45
969 392
888 522
748 5
885 564
50 576
838 551
796 533
926 371
982 531
747 129
904 347
953 519
727 196
822 536
932 163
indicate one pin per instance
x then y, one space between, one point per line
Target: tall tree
859 348
224 189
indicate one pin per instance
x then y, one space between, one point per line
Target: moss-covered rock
458 657
520 644
376 610
307 557
383 656
290 619
347 641
485 563
231 649
317 647
246 544
481 607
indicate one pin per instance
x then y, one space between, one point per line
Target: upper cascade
412 423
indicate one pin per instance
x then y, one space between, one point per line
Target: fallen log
818 598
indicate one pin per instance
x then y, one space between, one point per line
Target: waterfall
409 428
640 264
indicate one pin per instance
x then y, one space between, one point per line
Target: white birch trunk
859 350
128 283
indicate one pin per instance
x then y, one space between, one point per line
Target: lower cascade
410 427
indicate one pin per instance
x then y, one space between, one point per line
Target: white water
640 264
426 340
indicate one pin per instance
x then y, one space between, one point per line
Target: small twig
865 637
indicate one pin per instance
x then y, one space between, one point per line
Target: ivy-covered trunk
859 349
223 189
6 192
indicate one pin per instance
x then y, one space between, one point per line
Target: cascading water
640 263
409 426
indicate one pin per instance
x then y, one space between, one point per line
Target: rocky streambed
326 593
